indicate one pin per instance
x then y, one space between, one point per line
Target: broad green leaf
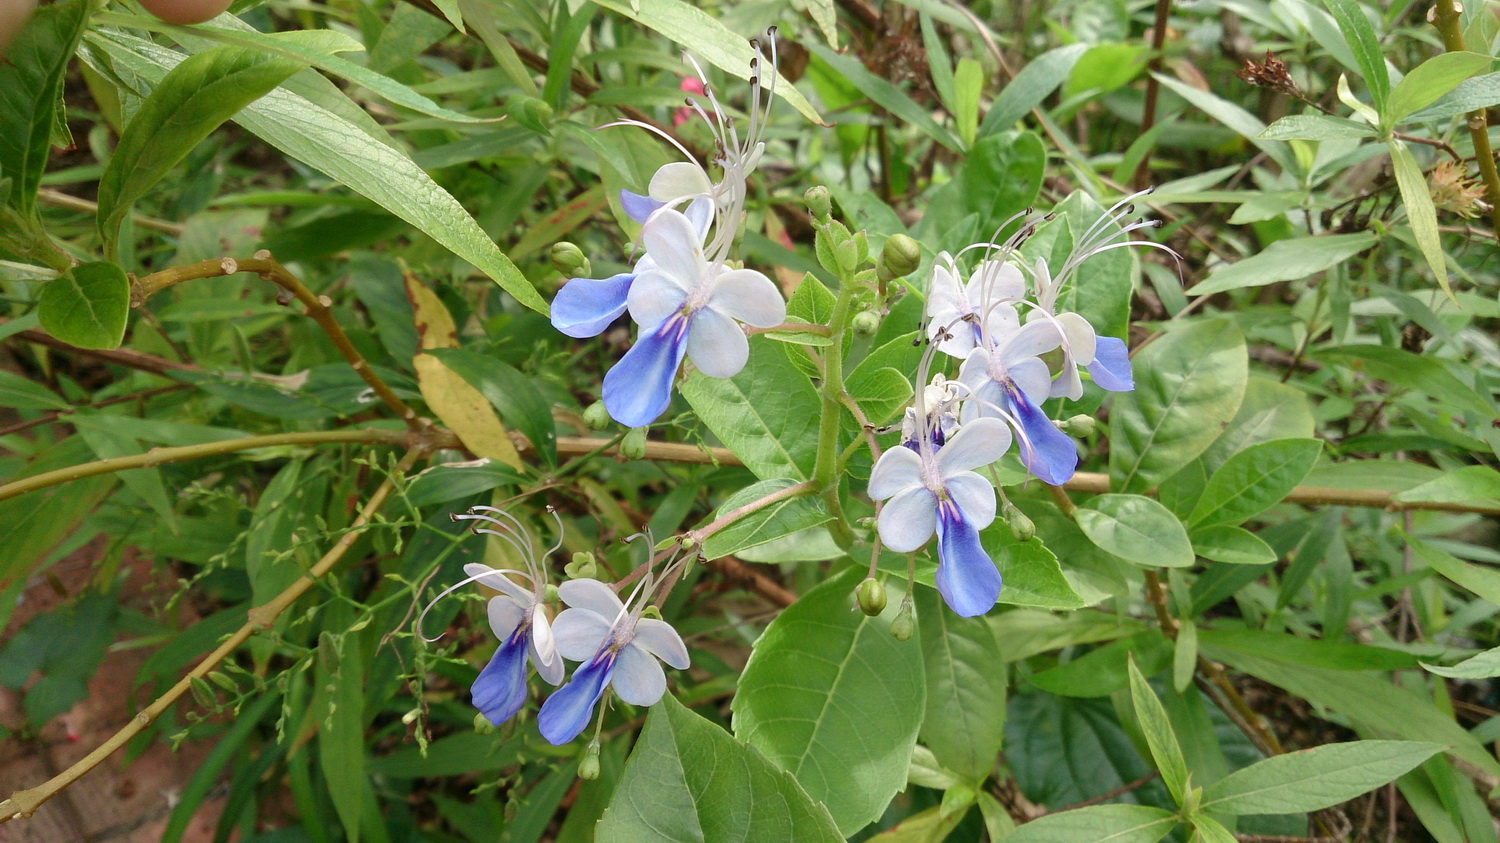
1158 731
31 84
512 394
1310 652
1430 81
1241 121
831 696
348 154
1136 529
1403 368
688 780
769 523
1416 196
1098 824
709 39
767 414
108 443
926 826
340 672
1472 484
1105 68
1316 127
1029 571
1102 671
1233 545
1001 176
450 481
1271 410
1254 480
1314 779
33 524
1062 751
1473 94
1188 385
1480 579
1209 830
886 95
19 393
1036 81
1360 36
87 306
1486 665
192 100
968 84
964 725
1285 260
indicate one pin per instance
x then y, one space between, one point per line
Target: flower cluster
1003 327
686 298
615 646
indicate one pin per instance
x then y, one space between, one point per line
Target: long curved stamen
514 532
657 130
452 588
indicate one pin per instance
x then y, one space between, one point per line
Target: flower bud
588 765
411 717
898 257
530 112
819 201
871 596
223 681
1079 425
865 323
482 724
203 693
583 566
633 446
904 624
549 594
596 416
568 259
1023 527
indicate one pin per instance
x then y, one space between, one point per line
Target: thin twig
1446 19
1142 177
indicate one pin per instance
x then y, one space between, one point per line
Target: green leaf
1270 410
1430 81
1158 731
765 524
1210 830
1479 579
1036 81
1254 480
968 84
1316 127
1232 545
1399 367
1001 176
871 384
1477 93
512 394
832 697
1030 572
1136 529
1103 671
708 38
1360 36
1314 779
964 724
1188 385
87 306
1486 665
767 414
688 780
451 481
348 154
1184 655
192 100
1472 484
19 393
31 83
1309 652
1420 213
340 671
1241 121
886 95
1285 260
109 443
1098 824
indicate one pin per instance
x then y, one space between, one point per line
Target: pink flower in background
692 85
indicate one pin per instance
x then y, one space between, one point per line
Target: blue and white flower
618 649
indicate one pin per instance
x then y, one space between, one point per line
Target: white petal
638 678
748 296
1080 335
977 443
717 344
578 633
505 615
677 180
975 497
659 639
908 519
1032 377
943 294
544 655
673 243
897 469
1032 339
653 297
492 578
592 595
995 281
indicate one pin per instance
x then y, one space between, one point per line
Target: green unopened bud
411 717
596 416
1079 425
633 446
223 681
568 259
203 693
905 623
865 323
482 724
588 765
530 112
871 596
583 566
898 257
819 201
1023 527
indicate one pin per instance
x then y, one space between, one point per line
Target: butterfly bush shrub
596 424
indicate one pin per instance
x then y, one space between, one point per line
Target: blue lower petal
638 207
639 387
500 690
1046 451
567 712
1111 366
584 307
966 576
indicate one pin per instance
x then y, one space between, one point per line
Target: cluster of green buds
847 255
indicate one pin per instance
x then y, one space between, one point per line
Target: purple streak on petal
639 387
638 207
1046 451
567 712
1111 366
500 690
584 307
966 576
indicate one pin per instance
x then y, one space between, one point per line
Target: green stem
826 468
1451 29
